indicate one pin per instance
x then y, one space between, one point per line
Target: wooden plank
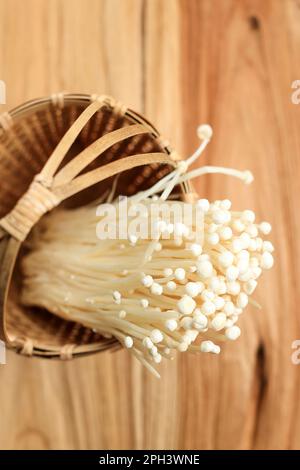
65 45
242 54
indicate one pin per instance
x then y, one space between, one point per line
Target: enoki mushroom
183 287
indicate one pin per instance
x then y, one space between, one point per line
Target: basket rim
21 110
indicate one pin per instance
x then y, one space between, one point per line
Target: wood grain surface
181 62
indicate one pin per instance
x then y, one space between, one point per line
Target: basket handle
111 169
84 158
67 140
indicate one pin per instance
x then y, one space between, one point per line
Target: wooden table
181 62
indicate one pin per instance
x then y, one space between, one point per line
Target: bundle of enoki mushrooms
180 288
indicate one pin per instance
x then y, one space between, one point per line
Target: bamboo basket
49 155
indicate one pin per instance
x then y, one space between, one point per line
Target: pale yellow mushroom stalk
178 289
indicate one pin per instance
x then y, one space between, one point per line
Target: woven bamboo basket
65 149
